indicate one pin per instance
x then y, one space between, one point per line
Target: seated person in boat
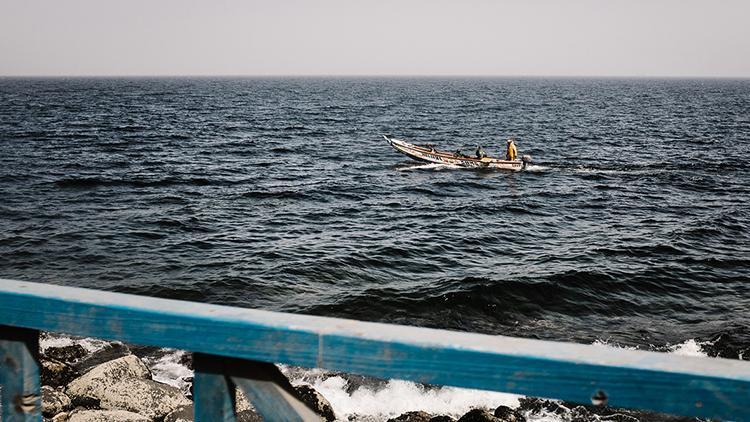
480 152
511 153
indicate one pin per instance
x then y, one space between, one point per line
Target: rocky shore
113 382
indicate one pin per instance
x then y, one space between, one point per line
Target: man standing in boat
511 153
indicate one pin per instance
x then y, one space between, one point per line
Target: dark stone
535 405
109 352
181 414
619 417
187 360
316 402
442 418
67 354
478 415
56 374
417 416
581 414
507 414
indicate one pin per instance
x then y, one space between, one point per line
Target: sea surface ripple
631 227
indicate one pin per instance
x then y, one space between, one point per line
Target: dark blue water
632 227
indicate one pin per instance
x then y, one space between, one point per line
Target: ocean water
631 228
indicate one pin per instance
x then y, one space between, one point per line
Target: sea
630 229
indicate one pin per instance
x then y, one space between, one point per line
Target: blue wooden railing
235 347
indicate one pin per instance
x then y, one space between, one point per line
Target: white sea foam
54 340
689 348
395 397
168 369
429 166
536 168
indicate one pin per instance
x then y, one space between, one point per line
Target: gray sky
376 37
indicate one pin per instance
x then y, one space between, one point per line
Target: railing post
214 394
20 398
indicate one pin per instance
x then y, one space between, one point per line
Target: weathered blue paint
213 392
715 388
273 402
20 396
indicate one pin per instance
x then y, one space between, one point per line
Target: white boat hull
431 155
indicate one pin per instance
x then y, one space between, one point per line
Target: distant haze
376 37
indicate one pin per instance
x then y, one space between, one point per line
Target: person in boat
480 152
510 152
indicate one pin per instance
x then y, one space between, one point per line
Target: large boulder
418 416
442 418
478 415
54 402
55 373
106 416
88 389
316 402
146 397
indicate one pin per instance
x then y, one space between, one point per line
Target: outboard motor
526 158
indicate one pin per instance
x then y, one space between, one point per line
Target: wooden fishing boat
431 155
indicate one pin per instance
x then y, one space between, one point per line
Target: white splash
689 348
429 166
396 397
536 168
89 344
167 368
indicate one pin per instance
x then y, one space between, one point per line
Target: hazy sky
376 37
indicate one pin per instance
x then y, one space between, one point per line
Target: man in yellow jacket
511 153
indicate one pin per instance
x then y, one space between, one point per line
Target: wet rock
108 353
581 414
535 405
316 402
54 402
143 396
106 416
508 414
88 389
442 418
55 373
619 417
187 360
478 415
67 354
418 416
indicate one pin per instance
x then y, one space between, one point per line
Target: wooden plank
270 392
20 396
706 387
214 393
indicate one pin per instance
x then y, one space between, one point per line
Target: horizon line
387 76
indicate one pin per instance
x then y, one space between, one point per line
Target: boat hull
430 155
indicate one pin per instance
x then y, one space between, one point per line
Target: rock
60 417
181 414
505 413
67 354
145 397
534 405
442 418
316 402
478 415
110 352
418 416
619 417
241 402
55 373
106 416
187 360
88 389
54 402
581 414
